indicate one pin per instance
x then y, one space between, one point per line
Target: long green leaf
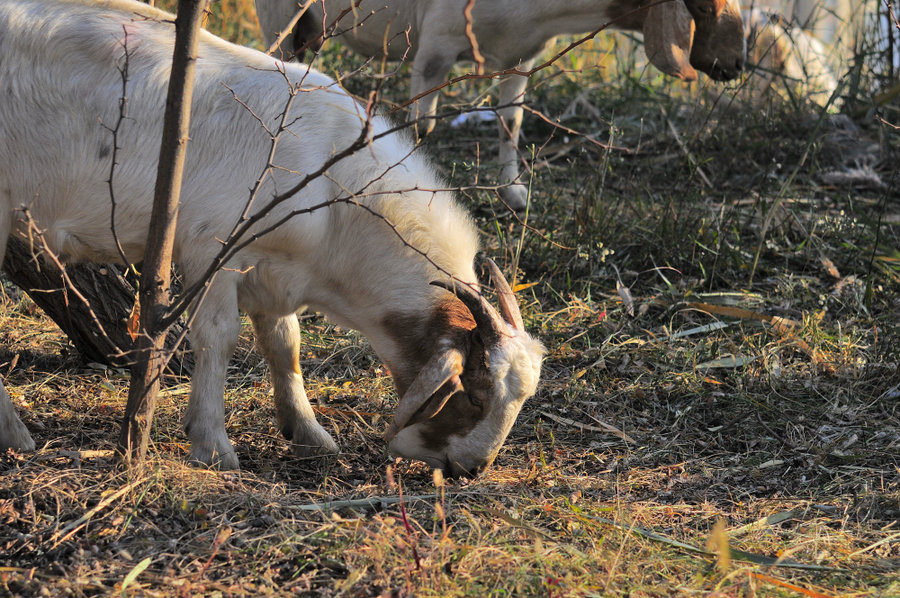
132 575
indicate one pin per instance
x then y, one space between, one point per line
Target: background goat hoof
515 197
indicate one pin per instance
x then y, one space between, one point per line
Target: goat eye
475 401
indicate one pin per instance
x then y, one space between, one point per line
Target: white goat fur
830 21
59 73
512 33
835 24
786 61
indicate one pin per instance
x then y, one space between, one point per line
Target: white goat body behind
679 36
830 21
786 61
60 64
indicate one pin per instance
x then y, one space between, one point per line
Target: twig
686 151
114 131
70 529
223 534
588 428
287 29
371 503
556 124
410 532
470 35
734 553
34 233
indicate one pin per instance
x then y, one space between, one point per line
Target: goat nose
479 468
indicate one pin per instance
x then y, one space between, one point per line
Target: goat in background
785 60
679 37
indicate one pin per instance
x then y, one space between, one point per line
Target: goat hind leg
279 341
429 70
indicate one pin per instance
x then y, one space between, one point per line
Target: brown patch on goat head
718 40
419 335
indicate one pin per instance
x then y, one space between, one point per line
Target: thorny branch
327 29
36 234
287 30
114 131
240 236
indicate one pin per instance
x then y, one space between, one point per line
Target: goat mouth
453 471
719 72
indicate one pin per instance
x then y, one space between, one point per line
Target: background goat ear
668 36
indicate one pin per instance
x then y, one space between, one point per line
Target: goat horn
491 326
509 309
443 367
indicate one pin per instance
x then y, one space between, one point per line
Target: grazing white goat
461 368
830 21
679 36
834 24
785 60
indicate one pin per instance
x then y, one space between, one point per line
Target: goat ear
668 36
444 367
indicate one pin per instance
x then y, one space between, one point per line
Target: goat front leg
13 433
279 341
213 335
513 192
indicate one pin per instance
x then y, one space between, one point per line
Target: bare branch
287 30
123 114
470 35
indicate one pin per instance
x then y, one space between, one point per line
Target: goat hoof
515 197
316 443
210 456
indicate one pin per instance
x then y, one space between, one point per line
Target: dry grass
659 417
